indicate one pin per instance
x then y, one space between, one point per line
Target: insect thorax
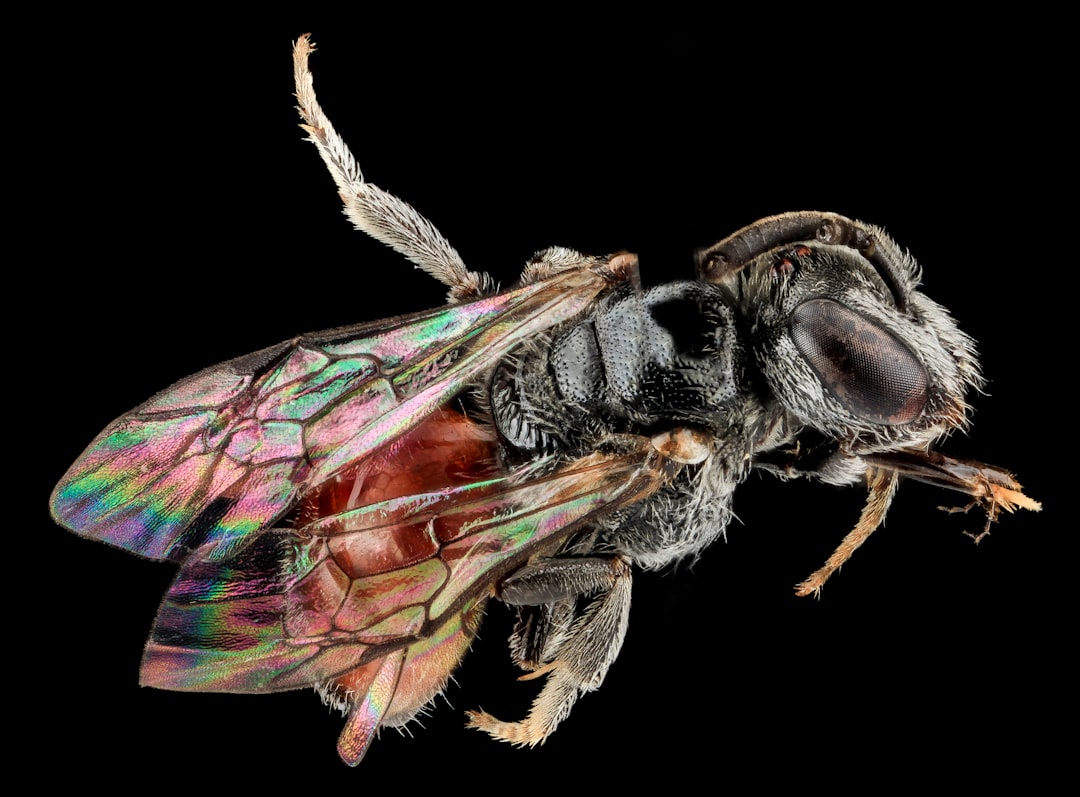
639 363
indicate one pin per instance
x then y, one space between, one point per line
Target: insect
343 505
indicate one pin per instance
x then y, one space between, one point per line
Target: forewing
223 454
302 607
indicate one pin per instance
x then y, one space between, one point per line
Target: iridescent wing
222 455
376 604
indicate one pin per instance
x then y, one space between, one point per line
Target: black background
193 224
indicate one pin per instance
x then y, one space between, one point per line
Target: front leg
573 650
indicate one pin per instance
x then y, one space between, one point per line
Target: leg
575 659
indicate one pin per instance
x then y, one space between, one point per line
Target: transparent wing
223 454
299 607
376 605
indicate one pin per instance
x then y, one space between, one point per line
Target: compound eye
866 368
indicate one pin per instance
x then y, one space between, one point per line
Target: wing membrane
223 454
302 607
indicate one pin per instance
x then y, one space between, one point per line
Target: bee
342 506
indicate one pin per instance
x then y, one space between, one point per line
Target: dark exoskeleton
803 347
